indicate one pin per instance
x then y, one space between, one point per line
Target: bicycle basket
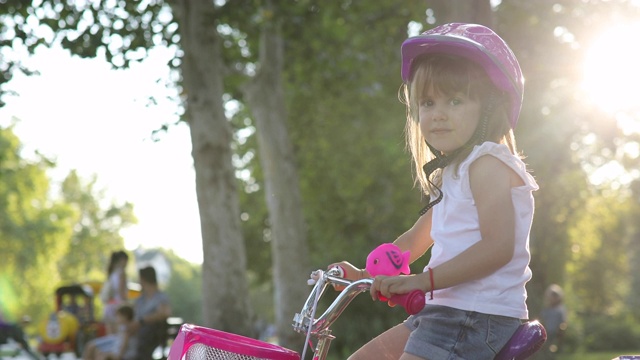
200 343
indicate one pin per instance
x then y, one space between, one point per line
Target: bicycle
197 342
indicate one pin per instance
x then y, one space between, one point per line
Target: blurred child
118 346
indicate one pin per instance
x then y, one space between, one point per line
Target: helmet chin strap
441 160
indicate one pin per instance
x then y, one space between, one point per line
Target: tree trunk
224 286
265 96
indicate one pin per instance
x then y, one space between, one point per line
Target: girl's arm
417 240
491 182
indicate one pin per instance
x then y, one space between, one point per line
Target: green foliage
347 125
96 226
31 236
185 289
611 333
120 32
599 243
49 240
254 215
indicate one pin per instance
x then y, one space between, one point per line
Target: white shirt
114 283
456 227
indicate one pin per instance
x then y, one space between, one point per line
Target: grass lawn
595 356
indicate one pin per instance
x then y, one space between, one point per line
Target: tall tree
224 263
266 98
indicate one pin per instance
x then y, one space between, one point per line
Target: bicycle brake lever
337 271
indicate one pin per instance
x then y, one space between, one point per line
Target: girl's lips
440 131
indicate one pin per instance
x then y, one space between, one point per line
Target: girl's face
447 121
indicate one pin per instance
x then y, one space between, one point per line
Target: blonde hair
448 74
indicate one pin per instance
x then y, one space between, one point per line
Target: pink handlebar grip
413 302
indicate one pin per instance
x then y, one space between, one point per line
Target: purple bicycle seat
525 342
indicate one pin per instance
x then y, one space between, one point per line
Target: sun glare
612 69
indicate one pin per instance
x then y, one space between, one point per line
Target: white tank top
455 228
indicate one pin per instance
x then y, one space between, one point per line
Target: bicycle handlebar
413 302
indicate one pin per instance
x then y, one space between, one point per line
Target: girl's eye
455 101
427 103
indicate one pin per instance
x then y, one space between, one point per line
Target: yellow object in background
59 327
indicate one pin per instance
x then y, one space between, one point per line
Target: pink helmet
476 43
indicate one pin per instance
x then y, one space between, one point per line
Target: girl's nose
438 113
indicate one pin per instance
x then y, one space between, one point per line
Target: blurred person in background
152 309
554 318
114 292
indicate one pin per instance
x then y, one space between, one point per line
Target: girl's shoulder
502 153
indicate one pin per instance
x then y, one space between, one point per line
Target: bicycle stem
319 328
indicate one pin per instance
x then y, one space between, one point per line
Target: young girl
115 292
463 91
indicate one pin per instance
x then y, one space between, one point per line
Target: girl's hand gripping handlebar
412 302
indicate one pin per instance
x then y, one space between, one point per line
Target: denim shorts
444 333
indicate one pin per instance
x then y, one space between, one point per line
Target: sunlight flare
612 70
